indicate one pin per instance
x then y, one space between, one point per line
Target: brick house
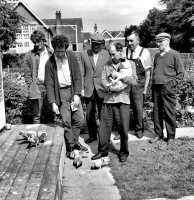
109 36
72 27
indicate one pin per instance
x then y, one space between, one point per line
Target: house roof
87 35
116 33
66 21
65 27
27 8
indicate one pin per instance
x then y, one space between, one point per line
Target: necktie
131 55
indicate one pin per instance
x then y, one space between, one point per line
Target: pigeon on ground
77 161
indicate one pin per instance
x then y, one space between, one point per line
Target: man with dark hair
167 73
116 102
34 64
92 63
142 59
64 84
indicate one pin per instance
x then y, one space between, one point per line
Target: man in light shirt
34 62
64 85
115 108
142 59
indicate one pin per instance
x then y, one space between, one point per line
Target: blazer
32 59
91 74
51 78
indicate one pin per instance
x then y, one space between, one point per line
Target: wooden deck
31 173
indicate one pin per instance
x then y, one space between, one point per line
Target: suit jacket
32 59
51 78
92 74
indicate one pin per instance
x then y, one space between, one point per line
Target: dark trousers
118 112
164 108
93 110
136 96
42 110
72 120
37 107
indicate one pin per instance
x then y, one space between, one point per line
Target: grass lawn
155 170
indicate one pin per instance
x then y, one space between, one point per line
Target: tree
178 24
149 28
9 25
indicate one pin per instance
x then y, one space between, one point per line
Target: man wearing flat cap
92 63
167 73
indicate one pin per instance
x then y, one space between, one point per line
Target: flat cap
162 36
97 38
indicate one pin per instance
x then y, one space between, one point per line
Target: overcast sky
112 15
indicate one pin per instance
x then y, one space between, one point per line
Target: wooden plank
10 140
6 133
33 185
49 183
23 175
12 151
11 172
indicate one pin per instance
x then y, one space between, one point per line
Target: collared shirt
95 56
145 57
63 72
165 51
44 56
117 97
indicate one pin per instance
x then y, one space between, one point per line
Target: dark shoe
69 151
80 147
139 134
117 137
123 158
98 156
90 140
154 140
170 142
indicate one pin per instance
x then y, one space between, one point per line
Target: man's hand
145 95
82 93
76 100
55 108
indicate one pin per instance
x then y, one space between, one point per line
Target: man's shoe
117 137
123 159
69 151
90 140
139 134
80 147
170 142
154 140
98 156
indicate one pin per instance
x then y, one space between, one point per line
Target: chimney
58 18
95 28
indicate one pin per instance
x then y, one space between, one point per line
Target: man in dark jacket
34 64
92 63
63 85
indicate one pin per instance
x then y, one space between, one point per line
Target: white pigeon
77 161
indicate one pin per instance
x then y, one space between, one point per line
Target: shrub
13 60
184 98
16 99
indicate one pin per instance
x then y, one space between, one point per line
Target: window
74 48
26 44
25 29
20 44
19 36
26 36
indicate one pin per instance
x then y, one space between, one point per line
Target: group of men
110 81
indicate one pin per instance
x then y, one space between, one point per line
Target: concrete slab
86 184
148 134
